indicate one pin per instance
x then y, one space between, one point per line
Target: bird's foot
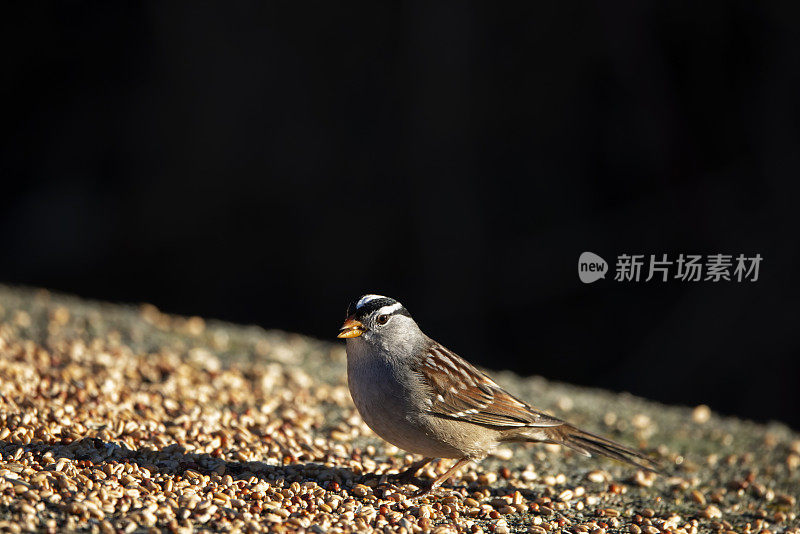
409 476
424 490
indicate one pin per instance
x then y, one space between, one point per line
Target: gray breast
390 405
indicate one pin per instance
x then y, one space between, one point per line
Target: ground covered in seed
124 419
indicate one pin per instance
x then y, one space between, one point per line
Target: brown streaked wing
462 392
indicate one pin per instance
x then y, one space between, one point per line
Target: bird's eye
383 319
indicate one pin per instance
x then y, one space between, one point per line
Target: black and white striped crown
368 304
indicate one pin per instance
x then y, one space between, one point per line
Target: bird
423 398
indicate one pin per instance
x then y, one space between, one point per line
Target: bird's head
378 320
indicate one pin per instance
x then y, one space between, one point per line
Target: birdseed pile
122 419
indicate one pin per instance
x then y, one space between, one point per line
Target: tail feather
588 444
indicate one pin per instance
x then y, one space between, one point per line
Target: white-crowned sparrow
423 398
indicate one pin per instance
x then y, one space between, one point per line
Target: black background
267 162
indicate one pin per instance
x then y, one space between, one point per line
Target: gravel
125 419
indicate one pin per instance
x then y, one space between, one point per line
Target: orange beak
351 328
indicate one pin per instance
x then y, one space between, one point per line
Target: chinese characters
687 268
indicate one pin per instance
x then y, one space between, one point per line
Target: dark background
267 162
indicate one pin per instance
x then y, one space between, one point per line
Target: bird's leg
442 478
411 473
